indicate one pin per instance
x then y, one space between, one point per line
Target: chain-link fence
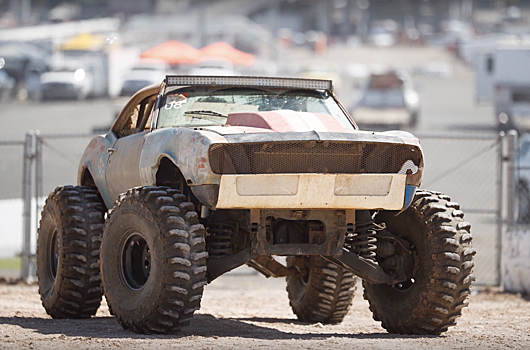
468 169
60 160
522 181
11 170
30 170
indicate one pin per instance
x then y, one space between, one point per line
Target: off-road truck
201 174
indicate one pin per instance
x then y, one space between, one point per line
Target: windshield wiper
207 112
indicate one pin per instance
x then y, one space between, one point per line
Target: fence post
500 204
28 190
511 176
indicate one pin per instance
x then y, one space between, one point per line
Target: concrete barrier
516 260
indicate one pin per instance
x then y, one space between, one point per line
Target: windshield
193 106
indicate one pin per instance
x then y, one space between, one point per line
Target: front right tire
438 284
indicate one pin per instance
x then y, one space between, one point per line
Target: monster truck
201 174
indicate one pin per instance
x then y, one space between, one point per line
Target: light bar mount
249 81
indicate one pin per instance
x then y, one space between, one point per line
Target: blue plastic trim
410 191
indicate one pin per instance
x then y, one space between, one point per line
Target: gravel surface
248 311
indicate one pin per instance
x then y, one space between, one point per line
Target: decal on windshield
175 101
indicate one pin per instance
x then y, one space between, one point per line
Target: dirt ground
248 311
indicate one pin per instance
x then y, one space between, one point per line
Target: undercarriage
347 238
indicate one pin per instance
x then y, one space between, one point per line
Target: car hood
239 134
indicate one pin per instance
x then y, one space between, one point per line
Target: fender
186 148
94 160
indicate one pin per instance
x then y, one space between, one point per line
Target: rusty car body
201 174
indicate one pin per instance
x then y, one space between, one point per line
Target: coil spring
363 241
219 242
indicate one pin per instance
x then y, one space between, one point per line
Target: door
123 165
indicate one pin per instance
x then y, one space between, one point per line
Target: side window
140 117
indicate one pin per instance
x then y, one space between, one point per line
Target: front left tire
153 260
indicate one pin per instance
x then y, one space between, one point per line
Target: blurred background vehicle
66 84
388 99
382 33
24 62
7 86
144 74
213 66
503 77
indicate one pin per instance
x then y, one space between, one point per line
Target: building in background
334 18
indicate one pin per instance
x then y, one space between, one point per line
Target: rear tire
324 294
433 298
153 260
68 242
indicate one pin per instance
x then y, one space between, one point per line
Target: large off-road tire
431 300
153 260
324 294
68 242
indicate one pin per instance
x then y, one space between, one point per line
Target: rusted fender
94 160
186 148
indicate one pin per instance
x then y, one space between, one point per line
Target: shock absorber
362 241
219 241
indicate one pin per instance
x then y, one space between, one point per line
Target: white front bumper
312 191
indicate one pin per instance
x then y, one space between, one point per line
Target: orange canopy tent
172 52
222 49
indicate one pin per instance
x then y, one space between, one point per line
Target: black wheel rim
135 261
405 285
53 254
303 279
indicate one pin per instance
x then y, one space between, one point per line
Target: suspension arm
271 268
218 266
368 270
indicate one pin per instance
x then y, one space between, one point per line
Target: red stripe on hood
278 121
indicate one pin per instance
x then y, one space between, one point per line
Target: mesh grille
313 157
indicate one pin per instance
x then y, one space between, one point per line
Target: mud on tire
441 241
153 260
68 243
324 294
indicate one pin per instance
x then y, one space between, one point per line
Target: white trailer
503 76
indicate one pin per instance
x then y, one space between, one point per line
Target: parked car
142 75
388 99
213 66
381 37
66 84
201 174
7 86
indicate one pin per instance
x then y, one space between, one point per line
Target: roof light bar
243 81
